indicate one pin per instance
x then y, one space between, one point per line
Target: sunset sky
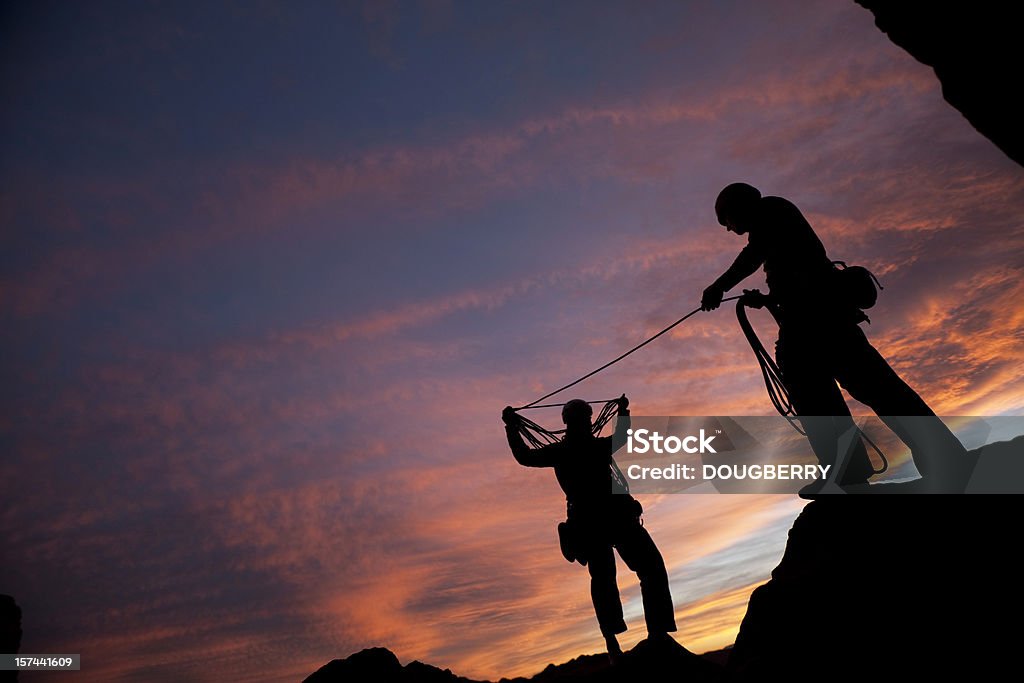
271 271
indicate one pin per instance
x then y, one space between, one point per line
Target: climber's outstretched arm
746 264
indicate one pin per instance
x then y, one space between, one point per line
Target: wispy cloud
254 391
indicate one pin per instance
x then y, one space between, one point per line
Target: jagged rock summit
648 661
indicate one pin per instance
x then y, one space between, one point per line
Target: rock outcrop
972 46
891 587
10 632
377 664
663 661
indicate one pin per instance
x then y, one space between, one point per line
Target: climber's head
736 207
576 415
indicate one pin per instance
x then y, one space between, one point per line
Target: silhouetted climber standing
820 341
600 519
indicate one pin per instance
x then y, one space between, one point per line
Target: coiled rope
776 388
537 436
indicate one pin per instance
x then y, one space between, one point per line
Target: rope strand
538 436
610 363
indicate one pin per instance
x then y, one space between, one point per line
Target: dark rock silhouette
378 664
973 48
648 661
10 632
890 586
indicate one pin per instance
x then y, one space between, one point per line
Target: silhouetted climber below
820 342
600 519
